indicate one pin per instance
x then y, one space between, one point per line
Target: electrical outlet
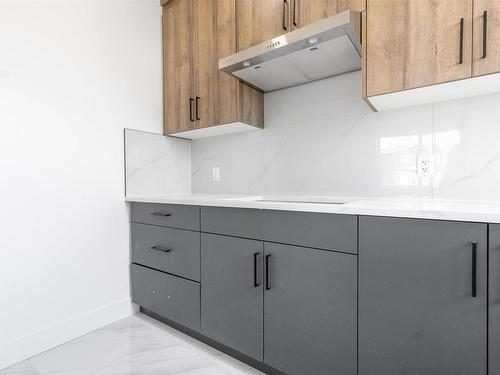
216 174
425 166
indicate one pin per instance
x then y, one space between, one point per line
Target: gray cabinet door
494 262
417 315
232 293
310 311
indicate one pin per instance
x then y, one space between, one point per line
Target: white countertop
475 211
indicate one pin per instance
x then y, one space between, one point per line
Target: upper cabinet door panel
177 69
305 12
486 37
227 101
413 43
205 62
261 20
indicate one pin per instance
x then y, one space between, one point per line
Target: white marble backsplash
156 165
322 139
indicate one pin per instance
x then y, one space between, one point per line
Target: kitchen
183 200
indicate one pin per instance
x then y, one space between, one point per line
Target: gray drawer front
149 243
170 296
240 222
319 230
168 215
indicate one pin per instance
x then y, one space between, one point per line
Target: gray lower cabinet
310 311
317 230
232 292
494 262
417 311
170 296
168 215
176 251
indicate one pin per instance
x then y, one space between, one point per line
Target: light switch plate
216 174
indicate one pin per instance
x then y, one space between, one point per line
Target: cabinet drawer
170 296
171 250
168 215
239 222
319 230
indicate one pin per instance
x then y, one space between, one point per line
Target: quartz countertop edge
436 209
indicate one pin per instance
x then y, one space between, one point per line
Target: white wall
322 139
72 76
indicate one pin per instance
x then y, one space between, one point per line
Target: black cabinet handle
160 248
191 100
197 107
485 33
164 214
474 269
255 281
267 272
285 4
461 51
361 28
294 17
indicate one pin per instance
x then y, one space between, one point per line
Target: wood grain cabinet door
305 12
178 99
414 43
494 296
261 20
228 86
422 297
486 37
205 62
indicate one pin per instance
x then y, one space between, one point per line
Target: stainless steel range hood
322 49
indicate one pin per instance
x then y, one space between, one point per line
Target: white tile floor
136 345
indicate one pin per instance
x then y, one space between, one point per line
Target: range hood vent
322 49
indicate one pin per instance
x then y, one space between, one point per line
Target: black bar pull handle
268 286
164 214
461 51
485 33
198 107
294 17
285 4
160 248
255 281
474 269
191 100
361 28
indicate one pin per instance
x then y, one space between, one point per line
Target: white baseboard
17 350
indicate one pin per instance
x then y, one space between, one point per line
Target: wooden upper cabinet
196 34
414 43
177 67
261 20
486 48
227 93
205 62
305 12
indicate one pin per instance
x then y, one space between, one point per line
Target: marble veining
155 164
322 139
137 345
